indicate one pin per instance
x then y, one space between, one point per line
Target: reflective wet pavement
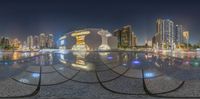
101 75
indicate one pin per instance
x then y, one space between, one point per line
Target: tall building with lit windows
159 31
165 35
50 42
4 42
186 36
36 42
126 37
15 43
46 41
168 34
42 40
30 42
179 34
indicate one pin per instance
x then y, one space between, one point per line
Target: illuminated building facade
186 37
36 42
46 41
169 36
16 44
30 42
148 43
179 34
50 42
90 39
165 35
104 35
62 42
80 40
126 38
4 43
42 40
157 39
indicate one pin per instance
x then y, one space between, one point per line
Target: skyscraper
165 36
168 34
50 42
36 42
30 42
179 34
24 45
134 40
157 39
186 38
4 43
125 37
15 43
42 40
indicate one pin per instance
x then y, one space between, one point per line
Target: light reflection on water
16 55
190 58
187 58
80 60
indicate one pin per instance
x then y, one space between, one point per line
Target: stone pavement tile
134 73
52 78
84 76
126 85
189 89
66 71
27 77
161 84
75 90
10 87
120 69
33 68
107 75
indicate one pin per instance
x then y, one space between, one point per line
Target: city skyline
33 17
101 49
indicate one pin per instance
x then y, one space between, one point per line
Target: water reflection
76 60
110 57
125 58
81 63
46 59
16 55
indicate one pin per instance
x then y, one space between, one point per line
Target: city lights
136 62
107 49
6 63
24 80
35 75
196 63
148 74
110 57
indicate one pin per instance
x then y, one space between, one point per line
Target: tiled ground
105 75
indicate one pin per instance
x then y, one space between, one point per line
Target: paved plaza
99 75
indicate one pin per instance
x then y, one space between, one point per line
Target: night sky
20 18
